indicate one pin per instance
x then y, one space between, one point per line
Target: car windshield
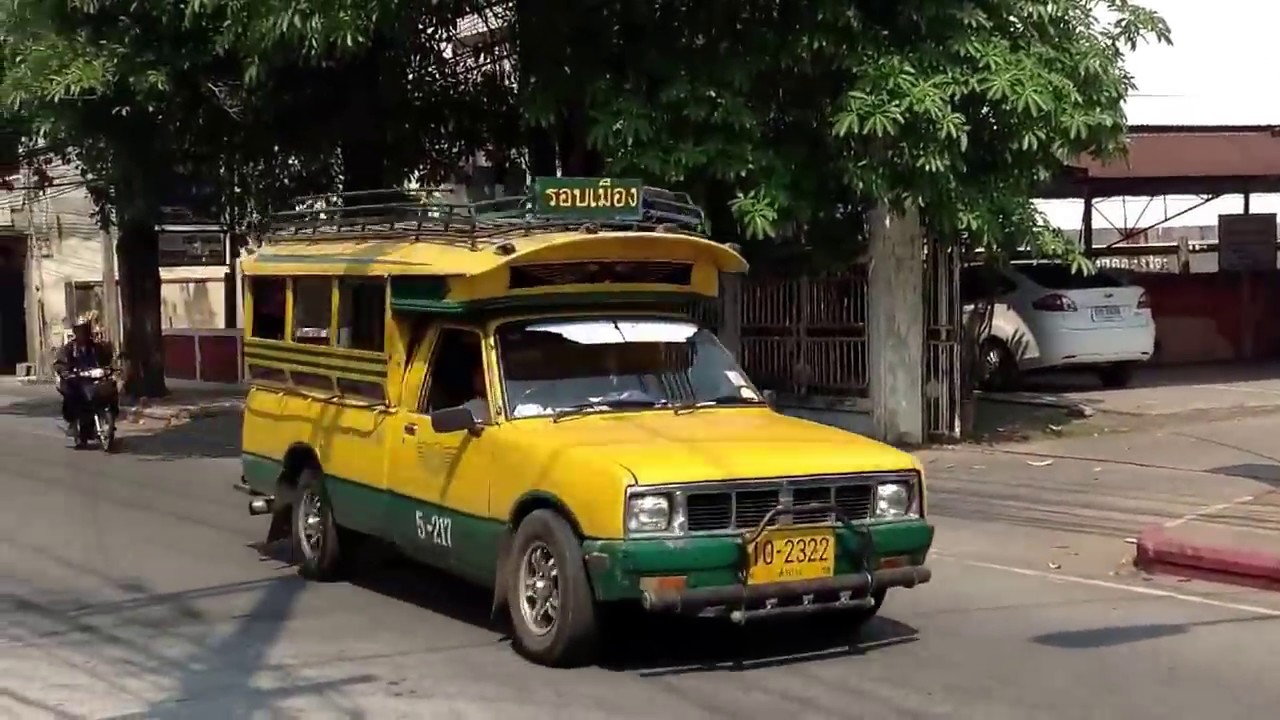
562 366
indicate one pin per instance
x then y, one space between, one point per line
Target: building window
312 310
268 295
362 311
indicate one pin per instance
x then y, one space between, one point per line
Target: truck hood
711 444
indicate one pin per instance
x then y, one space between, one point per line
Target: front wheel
106 431
549 596
859 618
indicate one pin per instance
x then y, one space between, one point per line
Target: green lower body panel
618 566
459 543
260 473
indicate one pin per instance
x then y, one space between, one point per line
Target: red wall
1214 316
215 359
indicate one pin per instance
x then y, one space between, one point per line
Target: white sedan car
1046 317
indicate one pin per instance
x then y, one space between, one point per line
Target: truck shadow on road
656 646
635 642
1112 636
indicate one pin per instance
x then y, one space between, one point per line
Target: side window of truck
455 371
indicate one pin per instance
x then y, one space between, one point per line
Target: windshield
553 367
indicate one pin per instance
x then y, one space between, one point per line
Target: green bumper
617 567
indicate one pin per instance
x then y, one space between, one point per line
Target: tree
150 96
804 113
790 119
379 83
131 93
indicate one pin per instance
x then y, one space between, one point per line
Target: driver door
439 480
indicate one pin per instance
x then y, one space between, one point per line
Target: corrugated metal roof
1178 153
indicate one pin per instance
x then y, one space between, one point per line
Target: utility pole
37 347
110 289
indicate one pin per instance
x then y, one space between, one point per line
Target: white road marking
1209 510
1152 592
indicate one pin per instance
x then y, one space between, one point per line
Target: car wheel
549 597
998 366
1116 376
859 618
317 540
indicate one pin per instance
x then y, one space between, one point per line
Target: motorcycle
96 419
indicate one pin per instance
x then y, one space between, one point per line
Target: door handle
411 429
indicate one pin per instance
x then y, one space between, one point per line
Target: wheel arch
298 457
525 505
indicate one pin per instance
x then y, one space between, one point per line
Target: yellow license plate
787 555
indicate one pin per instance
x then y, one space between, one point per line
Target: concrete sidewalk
188 400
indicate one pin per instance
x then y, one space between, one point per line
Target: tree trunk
143 346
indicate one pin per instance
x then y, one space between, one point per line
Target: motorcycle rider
83 352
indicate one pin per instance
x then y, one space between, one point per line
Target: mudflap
500 579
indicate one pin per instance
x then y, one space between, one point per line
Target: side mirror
454 419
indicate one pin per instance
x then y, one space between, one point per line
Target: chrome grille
743 509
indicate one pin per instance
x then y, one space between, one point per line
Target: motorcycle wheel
106 431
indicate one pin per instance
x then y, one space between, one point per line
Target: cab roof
393 232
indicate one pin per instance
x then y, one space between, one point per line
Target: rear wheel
1116 376
317 541
998 366
552 607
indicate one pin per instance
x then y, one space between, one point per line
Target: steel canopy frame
1208 162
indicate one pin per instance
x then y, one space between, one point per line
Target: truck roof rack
553 204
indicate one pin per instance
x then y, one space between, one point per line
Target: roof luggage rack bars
428 215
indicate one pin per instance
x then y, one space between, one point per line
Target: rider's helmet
86 322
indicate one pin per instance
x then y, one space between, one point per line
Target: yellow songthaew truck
513 391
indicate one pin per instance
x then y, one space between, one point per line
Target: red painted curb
1161 550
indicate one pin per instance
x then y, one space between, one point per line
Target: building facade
51 271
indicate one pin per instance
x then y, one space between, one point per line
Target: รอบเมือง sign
588 198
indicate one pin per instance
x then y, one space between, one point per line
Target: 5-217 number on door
438 529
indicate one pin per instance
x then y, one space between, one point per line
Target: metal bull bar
860 586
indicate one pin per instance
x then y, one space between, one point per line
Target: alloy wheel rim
310 524
539 589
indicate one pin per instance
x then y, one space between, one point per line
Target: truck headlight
893 500
648 513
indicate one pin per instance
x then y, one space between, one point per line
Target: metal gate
942 321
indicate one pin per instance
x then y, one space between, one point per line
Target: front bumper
706 575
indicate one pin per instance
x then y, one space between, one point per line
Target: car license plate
787 555
1106 313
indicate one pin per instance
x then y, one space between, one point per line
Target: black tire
82 435
108 442
570 639
998 366
324 560
859 618
1116 376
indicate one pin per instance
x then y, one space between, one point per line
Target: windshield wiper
720 400
606 404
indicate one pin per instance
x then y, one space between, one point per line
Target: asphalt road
129 588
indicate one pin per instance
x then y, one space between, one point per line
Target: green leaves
797 114
786 119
